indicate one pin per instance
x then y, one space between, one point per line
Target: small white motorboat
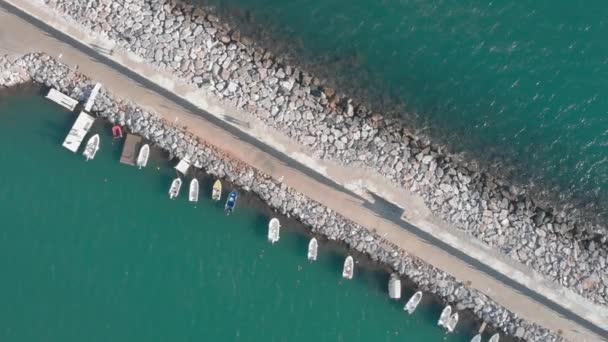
216 193
445 315
412 304
175 186
394 286
312 249
193 193
92 147
274 227
495 337
476 338
142 157
452 321
349 268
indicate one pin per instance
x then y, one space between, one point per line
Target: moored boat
452 321
349 268
394 286
175 186
193 193
495 337
413 302
230 203
445 315
216 193
92 147
142 156
476 338
312 249
274 227
116 131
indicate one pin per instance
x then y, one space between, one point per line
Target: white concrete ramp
183 166
79 130
61 99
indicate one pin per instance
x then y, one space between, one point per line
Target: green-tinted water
95 251
518 80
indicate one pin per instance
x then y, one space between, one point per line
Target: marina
79 130
62 99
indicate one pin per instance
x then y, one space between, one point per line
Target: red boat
117 131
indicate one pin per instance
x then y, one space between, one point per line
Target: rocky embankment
196 47
44 70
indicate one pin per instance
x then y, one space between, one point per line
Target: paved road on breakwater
247 140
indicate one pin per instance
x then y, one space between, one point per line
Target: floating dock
130 149
91 100
62 99
79 130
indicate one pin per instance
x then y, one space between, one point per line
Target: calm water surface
95 251
516 81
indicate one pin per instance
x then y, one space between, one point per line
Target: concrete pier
62 99
130 149
79 130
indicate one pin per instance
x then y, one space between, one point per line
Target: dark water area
96 251
517 85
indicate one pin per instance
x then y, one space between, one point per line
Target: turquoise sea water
95 251
516 81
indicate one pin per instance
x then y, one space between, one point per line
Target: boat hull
142 157
175 187
216 193
193 193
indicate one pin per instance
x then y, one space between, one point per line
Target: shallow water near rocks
96 251
518 83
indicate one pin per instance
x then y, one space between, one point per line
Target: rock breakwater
193 45
44 70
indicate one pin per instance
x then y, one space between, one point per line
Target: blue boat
230 202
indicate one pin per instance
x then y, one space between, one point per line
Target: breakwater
196 47
45 70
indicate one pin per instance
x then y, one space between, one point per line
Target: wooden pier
130 149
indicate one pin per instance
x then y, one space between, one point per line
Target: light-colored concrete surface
360 180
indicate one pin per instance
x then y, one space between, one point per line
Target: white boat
476 338
445 315
452 321
394 287
411 304
349 268
274 226
495 337
92 147
312 249
193 193
175 186
142 157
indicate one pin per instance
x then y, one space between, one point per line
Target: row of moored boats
447 319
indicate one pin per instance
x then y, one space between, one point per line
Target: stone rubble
194 45
47 71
